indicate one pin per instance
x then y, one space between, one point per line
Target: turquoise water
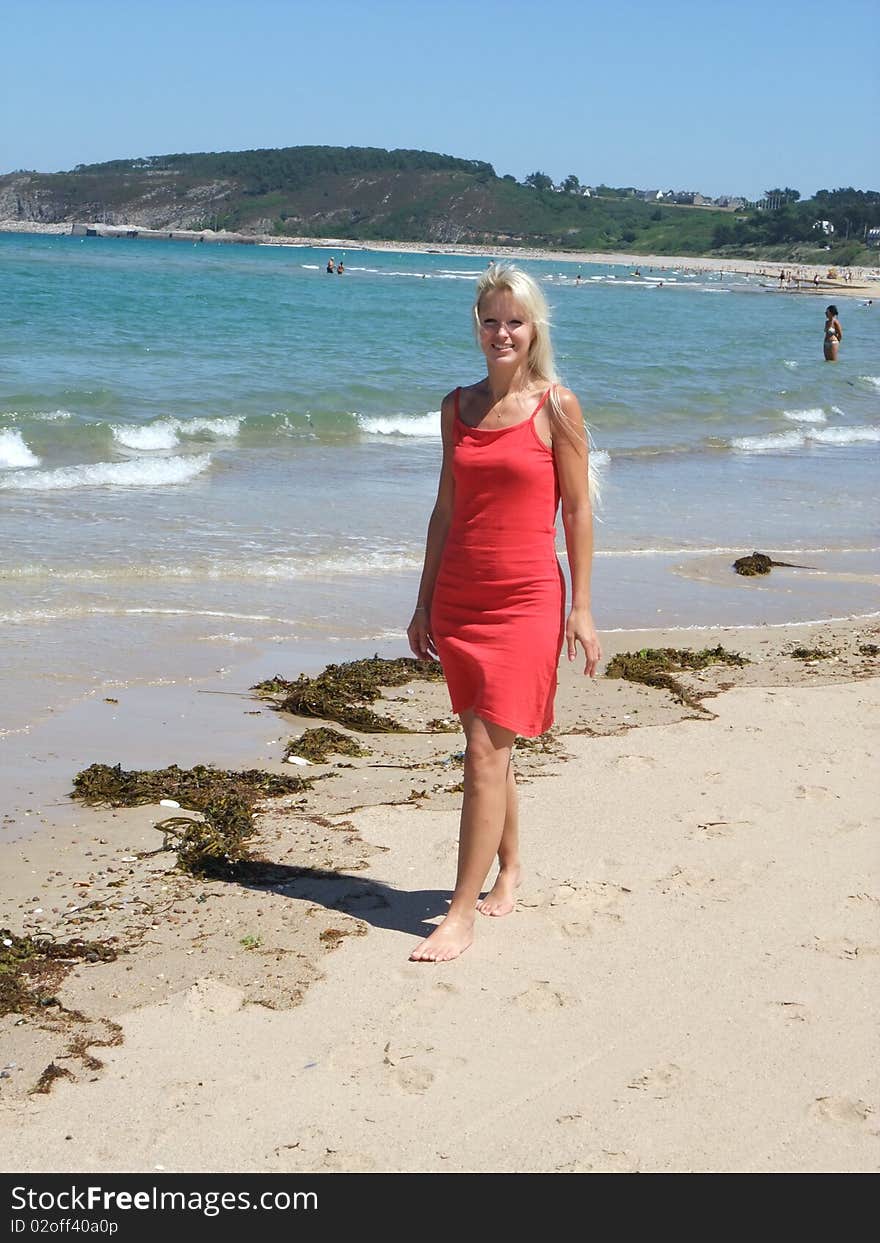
223 445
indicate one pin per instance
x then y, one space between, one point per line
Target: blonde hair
505 278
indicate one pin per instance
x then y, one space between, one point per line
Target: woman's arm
838 329
419 629
571 451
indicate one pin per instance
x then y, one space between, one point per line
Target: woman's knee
488 750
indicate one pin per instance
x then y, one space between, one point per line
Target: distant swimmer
331 265
340 268
833 335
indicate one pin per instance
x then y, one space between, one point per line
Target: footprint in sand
841 1110
702 886
211 999
659 1082
541 998
432 997
718 827
603 1162
791 1011
414 1068
580 908
634 763
842 947
815 794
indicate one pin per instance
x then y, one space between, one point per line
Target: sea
215 452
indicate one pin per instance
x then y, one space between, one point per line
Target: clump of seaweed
318 744
760 563
31 969
545 743
342 693
216 845
869 649
192 787
658 666
813 653
43 1086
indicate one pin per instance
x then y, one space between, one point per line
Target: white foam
871 379
142 473
226 427
846 435
148 436
805 416
401 424
796 439
777 440
789 362
14 453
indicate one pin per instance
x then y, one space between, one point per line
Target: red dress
498 609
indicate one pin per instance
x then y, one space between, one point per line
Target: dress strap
541 402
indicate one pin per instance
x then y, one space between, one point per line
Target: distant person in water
833 335
331 265
340 268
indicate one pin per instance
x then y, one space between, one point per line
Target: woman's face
505 331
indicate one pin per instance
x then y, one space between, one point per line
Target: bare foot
501 898
451 938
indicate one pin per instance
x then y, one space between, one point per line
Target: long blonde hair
505 278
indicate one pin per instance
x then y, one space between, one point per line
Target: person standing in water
491 601
833 335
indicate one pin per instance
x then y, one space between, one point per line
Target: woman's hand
418 632
580 629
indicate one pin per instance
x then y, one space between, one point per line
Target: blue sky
713 96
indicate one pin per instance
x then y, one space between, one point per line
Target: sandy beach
688 983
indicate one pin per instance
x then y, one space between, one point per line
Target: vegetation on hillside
833 223
369 193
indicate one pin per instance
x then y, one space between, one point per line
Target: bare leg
483 812
501 899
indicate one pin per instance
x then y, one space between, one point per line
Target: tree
539 181
775 199
571 185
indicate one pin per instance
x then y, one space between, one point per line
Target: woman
491 599
833 334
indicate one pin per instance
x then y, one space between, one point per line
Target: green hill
364 193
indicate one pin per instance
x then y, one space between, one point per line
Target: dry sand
688 983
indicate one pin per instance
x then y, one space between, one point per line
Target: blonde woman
491 602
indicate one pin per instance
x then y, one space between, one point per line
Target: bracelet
420 608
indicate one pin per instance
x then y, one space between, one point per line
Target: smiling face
505 330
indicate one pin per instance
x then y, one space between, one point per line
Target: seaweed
869 649
546 743
760 563
48 1077
193 787
216 845
317 744
31 969
657 667
343 692
813 653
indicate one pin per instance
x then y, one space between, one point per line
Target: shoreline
867 284
214 968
